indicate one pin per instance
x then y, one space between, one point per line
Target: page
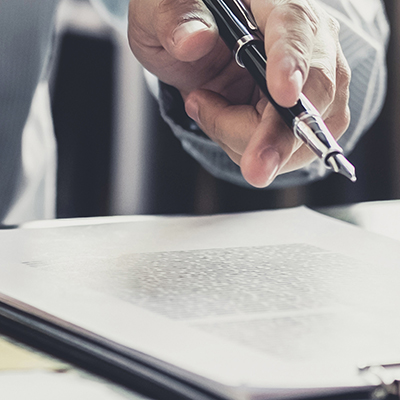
277 302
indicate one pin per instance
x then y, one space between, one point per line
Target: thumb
186 29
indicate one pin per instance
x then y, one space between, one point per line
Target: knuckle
343 73
333 25
302 22
135 35
209 125
340 120
322 75
302 10
168 5
183 9
330 89
140 36
344 120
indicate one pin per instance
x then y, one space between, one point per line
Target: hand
178 41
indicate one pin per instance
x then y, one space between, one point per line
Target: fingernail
192 109
297 79
271 160
186 29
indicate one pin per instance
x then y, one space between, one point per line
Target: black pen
239 31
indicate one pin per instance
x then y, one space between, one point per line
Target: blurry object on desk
28 373
40 385
381 217
17 357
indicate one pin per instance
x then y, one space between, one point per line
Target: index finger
185 29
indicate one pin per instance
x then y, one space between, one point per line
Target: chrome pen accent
251 22
311 129
239 45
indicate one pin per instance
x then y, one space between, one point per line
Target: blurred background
117 156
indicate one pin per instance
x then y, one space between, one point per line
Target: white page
279 299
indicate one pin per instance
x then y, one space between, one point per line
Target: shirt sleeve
26 30
115 12
364 33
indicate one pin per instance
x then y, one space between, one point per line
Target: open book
263 305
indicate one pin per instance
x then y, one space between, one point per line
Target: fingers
185 29
253 137
293 30
268 151
337 116
274 144
178 41
231 126
289 43
256 137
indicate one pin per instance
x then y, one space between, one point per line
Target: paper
276 302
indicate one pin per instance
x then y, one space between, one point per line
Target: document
269 304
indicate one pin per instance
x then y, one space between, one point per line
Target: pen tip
341 165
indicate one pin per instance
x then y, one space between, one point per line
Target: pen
239 31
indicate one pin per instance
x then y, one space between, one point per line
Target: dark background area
82 113
83 118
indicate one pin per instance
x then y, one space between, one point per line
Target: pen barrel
254 60
233 21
